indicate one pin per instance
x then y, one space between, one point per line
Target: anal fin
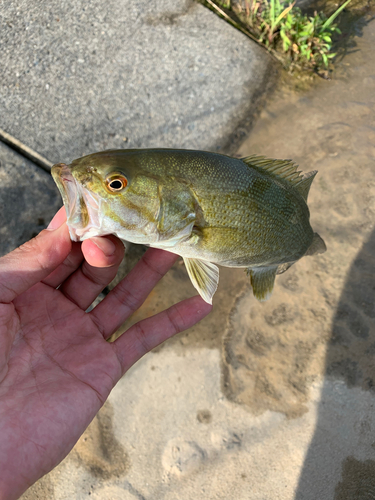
262 280
204 276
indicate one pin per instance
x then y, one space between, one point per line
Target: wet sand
262 400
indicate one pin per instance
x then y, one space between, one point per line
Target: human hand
56 368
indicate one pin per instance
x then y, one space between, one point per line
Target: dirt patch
42 490
269 358
358 480
98 449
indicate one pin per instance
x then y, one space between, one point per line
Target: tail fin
317 246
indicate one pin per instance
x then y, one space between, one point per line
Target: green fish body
209 208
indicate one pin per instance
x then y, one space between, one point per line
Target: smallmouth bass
208 208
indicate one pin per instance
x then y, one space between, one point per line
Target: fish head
104 194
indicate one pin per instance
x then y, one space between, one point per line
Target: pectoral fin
262 280
204 276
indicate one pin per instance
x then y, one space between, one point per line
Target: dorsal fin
283 169
303 187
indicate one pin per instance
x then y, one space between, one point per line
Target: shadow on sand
350 359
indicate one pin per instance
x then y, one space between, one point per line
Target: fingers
72 261
103 251
98 253
66 268
85 284
33 261
149 333
132 291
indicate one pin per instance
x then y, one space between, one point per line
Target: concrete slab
28 199
81 77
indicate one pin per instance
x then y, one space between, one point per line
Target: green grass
298 40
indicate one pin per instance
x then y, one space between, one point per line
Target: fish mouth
82 206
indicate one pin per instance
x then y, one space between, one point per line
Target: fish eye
116 183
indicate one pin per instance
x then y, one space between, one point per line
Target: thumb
33 261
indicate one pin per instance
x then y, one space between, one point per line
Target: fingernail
106 246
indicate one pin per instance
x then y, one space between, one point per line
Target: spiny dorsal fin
283 169
303 187
262 280
204 276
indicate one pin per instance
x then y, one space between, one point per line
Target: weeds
304 41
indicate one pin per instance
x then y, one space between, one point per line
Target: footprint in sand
98 449
182 457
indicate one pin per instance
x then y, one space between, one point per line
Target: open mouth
82 206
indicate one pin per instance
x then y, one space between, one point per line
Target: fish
211 209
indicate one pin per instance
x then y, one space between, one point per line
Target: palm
60 372
56 367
